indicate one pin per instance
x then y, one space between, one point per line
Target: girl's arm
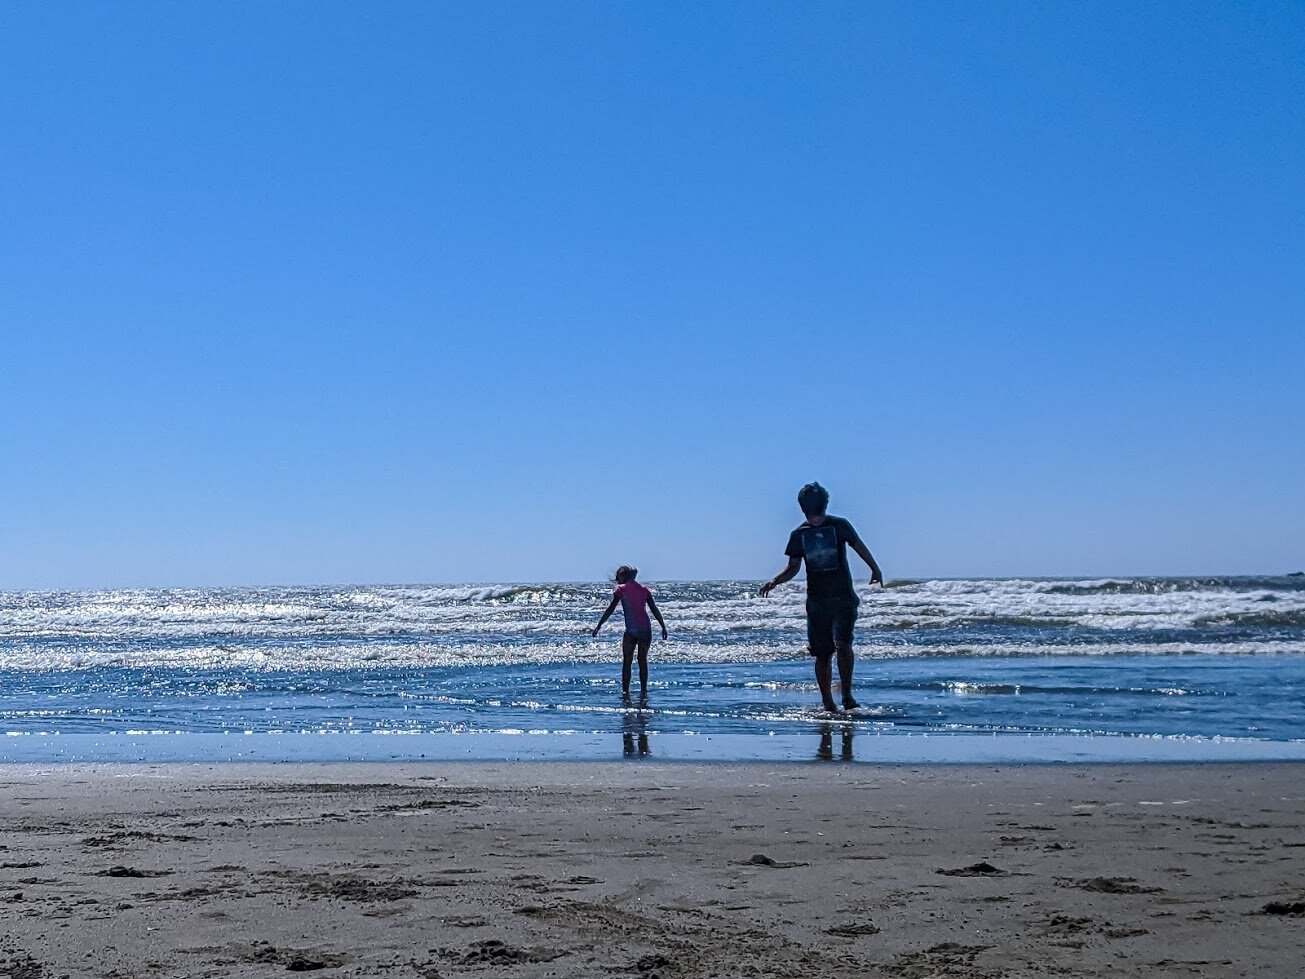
606 615
657 613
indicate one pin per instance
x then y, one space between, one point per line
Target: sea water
947 670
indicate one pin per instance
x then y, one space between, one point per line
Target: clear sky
409 292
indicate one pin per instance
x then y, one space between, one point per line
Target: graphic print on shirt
820 548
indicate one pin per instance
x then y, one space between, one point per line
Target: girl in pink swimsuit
635 601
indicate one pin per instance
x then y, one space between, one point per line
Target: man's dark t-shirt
824 549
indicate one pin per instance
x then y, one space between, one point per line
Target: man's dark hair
625 573
813 499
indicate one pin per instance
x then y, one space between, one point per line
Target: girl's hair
625 573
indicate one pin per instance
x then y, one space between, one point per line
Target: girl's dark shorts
830 623
639 636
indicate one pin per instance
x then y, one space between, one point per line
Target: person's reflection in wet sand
634 732
826 750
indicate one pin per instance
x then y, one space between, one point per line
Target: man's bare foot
849 703
831 707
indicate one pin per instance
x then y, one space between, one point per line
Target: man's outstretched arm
788 574
876 576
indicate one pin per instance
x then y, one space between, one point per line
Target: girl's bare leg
643 666
627 659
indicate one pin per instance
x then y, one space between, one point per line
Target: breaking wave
711 622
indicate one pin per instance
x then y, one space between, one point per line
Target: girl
635 601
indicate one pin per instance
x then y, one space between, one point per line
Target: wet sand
652 869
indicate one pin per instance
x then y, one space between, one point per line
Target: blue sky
316 292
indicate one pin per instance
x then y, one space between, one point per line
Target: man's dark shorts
830 622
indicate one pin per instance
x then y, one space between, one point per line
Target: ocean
999 670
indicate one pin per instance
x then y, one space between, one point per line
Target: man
822 541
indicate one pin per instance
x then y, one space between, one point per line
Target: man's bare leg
825 680
845 663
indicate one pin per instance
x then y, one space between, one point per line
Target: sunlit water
178 674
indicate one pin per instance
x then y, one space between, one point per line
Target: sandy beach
652 869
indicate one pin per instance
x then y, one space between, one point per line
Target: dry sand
651 869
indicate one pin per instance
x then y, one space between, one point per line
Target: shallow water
1184 660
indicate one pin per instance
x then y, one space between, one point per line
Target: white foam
711 622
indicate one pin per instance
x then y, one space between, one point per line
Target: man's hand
788 574
663 632
595 632
877 577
